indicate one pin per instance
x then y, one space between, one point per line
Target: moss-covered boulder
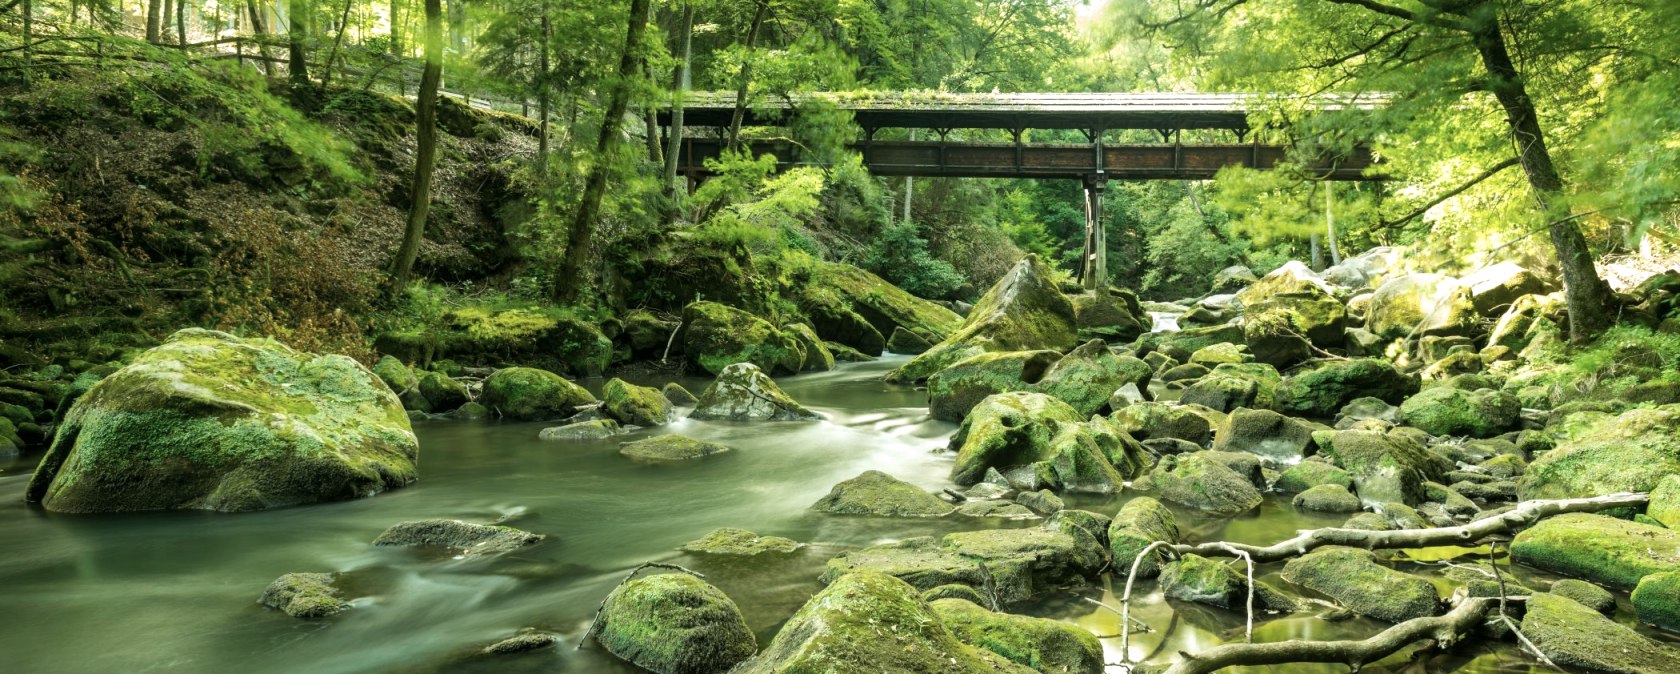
1529 317
1626 453
1665 502
1324 388
1047 439
1195 481
476 335
635 405
670 448
1274 339
646 334
1308 474
209 421
742 392
1153 421
877 493
1234 385
740 543
1587 594
529 394
1024 311
1573 635
839 631
442 392
1495 287
1048 646
587 429
678 395
395 375
715 336
1385 468
1657 600
1181 343
907 342
1421 305
1206 581
954 391
305 595
1106 315
1266 434
861 310
1141 522
1293 277
1355 580
1022 563
1316 316
818 357
456 537
1605 550
1089 374
1445 410
1327 498
675 624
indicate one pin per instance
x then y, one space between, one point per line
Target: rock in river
1354 579
877 493
305 595
675 624
670 448
1040 643
1599 548
635 405
740 542
529 394
1573 635
210 421
464 538
1630 452
1024 311
742 392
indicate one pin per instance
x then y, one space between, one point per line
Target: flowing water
178 591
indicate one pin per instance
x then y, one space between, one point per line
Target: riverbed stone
1665 502
1293 276
1384 467
716 336
525 641
1361 409
1327 498
1043 501
1626 453
907 342
1089 374
442 392
1421 305
1008 510
818 357
1024 311
457 537
1657 600
1573 635
305 595
1494 288
1354 579
1149 421
1605 550
877 493
741 543
1021 562
1322 389
678 395
592 429
1445 410
1048 646
1139 523
675 623
1312 473
210 421
742 392
1032 430
1233 385
1271 436
1104 314
1195 481
671 447
1212 582
635 405
529 394
839 631
1587 594
954 391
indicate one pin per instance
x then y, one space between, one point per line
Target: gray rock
598 429
305 595
742 392
463 538
670 448
877 493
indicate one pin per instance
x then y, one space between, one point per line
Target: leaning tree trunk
1587 296
570 277
426 148
679 94
297 65
745 76
258 28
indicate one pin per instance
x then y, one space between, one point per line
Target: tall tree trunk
181 22
650 120
425 133
260 29
543 94
745 76
28 37
396 28
166 21
570 278
457 25
154 19
343 22
1330 223
679 88
1586 294
297 64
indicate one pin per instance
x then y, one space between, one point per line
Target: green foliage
900 255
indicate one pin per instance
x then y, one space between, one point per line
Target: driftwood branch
1126 599
595 623
1524 514
1445 630
1141 626
1505 614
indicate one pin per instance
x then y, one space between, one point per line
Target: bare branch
1402 13
1484 175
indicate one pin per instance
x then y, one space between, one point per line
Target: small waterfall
1165 321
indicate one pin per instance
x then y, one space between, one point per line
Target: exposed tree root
1524 514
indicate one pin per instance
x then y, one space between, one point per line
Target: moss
740 542
715 336
1153 421
1421 304
308 596
954 391
1657 600
1327 498
1103 315
1354 579
1605 455
742 392
1665 502
883 305
589 429
1009 429
211 421
670 448
1024 311
1325 388
818 358
395 374
1586 594
1446 410
953 591
529 394
1140 522
1198 482
635 405
1602 549
678 395
1206 581
1215 355
877 493
1089 374
1271 436
1384 467
442 392
1308 474
1188 341
457 537
1049 646
674 624
1573 635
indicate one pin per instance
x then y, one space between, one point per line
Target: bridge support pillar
1096 236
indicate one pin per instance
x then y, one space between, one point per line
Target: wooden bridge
1093 162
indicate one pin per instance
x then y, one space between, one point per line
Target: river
178 591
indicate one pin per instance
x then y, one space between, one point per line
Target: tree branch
1402 13
1483 176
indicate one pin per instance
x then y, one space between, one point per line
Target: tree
426 147
154 19
570 278
297 64
679 90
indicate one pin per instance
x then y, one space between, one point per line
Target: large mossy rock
1155 421
1626 453
1109 315
1421 305
1657 600
1141 522
1085 378
1233 385
840 631
442 392
1293 278
1355 580
1022 563
635 405
1445 410
877 493
1046 438
1324 388
1048 646
1266 434
477 335
1599 548
1575 636
675 624
818 357
210 421
1320 318
1211 582
741 543
529 394
1495 288
861 310
456 537
715 336
1196 481
1024 311
672 447
306 596
1385 468
1089 374
742 392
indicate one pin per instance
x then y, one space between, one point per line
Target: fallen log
1445 630
1524 514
